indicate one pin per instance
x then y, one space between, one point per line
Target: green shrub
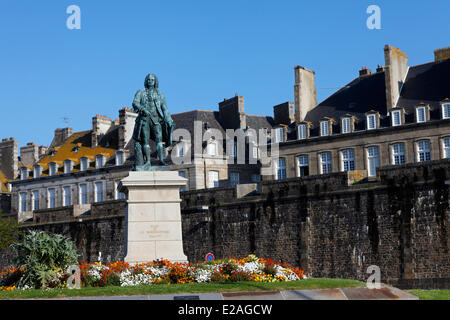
44 258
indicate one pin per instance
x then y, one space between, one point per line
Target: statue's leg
159 145
146 145
147 154
138 157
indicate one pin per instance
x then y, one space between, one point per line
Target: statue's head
151 81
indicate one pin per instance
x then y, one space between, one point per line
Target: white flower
202 275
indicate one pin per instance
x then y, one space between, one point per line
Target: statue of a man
153 122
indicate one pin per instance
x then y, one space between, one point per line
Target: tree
9 231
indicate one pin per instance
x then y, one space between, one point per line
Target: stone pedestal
153 219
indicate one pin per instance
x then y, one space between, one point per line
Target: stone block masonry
323 224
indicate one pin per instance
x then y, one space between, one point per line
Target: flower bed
120 273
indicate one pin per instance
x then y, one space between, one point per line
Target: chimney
9 158
100 125
60 136
284 113
396 69
364 72
304 92
29 154
442 54
380 69
232 114
127 119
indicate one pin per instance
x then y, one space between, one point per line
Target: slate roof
427 83
361 95
3 182
424 83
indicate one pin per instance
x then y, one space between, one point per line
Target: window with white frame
303 166
396 118
446 145
181 149
98 191
423 151
446 111
35 200
51 193
22 201
212 148
346 125
119 158
278 135
373 160
67 196
255 151
84 164
234 178
420 114
213 179
324 128
281 169
301 131
348 160
325 162
398 153
371 122
83 193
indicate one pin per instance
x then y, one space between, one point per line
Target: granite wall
323 224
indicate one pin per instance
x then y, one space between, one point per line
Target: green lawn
431 294
183 288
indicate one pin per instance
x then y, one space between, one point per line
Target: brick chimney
364 72
442 54
29 154
127 119
100 126
304 92
396 69
61 134
232 114
284 113
9 163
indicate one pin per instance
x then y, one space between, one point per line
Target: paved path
362 293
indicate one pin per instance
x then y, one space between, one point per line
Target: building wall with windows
367 150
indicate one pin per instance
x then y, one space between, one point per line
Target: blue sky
202 52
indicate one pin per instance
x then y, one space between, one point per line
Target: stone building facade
398 115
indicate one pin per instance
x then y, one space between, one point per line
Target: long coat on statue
154 102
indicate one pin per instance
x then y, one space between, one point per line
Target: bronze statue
153 122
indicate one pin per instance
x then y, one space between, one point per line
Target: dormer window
371 122
181 149
84 164
24 173
421 114
446 111
212 148
99 161
278 135
324 128
68 166
301 131
346 125
119 158
52 168
37 170
396 118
